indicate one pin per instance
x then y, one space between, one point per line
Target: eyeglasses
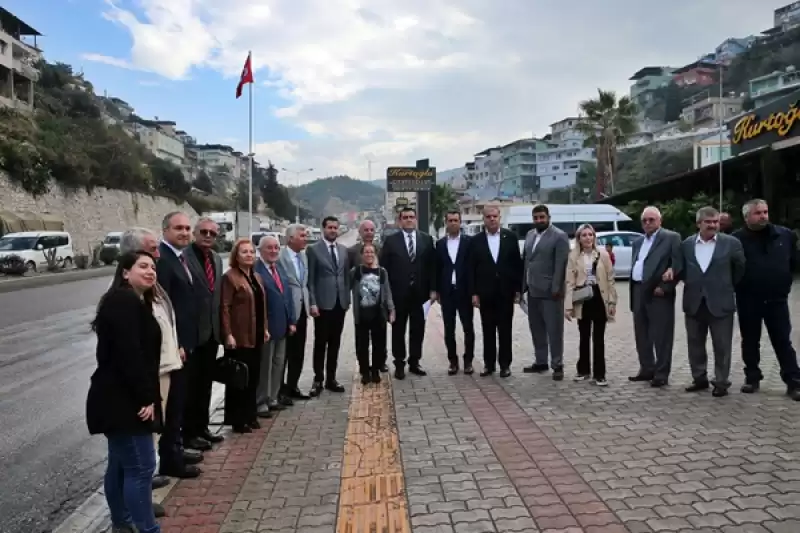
208 233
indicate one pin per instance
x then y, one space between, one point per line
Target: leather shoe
468 370
385 368
719 392
187 472
297 394
192 453
750 388
158 510
794 394
505 372
191 459
535 369
275 406
334 386
487 372
160 482
417 371
658 383
453 370
316 389
264 413
197 443
285 401
641 377
213 439
694 387
399 373
558 374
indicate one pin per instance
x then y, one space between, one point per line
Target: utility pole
719 152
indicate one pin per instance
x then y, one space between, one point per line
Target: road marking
372 497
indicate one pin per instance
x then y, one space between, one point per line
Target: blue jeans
128 481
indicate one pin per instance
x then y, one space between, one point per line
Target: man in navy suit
452 270
281 323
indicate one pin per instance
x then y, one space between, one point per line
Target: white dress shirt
493 239
181 258
452 251
296 261
328 245
637 273
704 251
538 237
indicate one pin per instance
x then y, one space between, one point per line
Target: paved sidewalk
465 454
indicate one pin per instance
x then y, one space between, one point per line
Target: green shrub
13 265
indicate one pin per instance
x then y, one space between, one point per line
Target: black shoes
750 388
185 472
158 511
558 374
417 370
213 439
697 386
376 376
658 383
487 372
334 386
297 394
316 389
452 370
719 392
641 377
160 482
196 443
385 368
536 369
505 372
366 378
400 373
468 370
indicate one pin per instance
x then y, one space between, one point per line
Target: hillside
339 193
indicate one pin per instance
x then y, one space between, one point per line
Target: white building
489 167
454 177
558 164
17 58
161 138
710 150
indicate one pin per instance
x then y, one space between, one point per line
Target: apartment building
18 55
704 110
701 72
645 82
771 87
558 164
160 137
519 168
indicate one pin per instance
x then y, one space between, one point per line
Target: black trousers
296 352
199 378
454 302
170 445
592 330
372 329
240 404
328 328
774 314
408 313
497 315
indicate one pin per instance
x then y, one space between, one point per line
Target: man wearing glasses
206 268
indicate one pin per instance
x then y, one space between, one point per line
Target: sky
339 83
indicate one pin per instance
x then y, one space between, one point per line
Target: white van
31 245
112 239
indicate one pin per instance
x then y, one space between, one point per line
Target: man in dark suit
176 278
206 267
329 300
653 299
495 283
409 258
452 282
712 263
281 322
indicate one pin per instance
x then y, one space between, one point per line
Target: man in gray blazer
329 300
712 264
544 259
206 267
653 299
295 263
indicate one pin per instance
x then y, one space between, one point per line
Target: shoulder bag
585 292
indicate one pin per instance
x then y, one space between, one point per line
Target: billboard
410 179
765 125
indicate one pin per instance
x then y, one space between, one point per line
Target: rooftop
16 26
487 151
649 71
221 147
702 63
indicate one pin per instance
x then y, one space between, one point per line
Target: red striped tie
209 272
276 277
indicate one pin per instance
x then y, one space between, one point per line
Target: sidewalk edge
47 280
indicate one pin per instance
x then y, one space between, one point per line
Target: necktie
411 253
276 277
209 272
300 271
333 257
186 267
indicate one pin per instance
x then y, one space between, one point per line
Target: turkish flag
247 76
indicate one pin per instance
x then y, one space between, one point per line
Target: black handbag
231 373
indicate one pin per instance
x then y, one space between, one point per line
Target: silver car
622 241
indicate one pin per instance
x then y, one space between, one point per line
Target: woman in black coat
124 401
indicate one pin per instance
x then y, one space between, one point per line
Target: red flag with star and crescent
247 76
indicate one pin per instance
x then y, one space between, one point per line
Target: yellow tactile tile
372 497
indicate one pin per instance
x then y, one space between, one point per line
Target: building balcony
24 69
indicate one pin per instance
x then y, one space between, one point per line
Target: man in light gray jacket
295 262
545 265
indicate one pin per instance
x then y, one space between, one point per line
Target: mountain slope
339 193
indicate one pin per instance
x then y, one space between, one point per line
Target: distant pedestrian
591 298
243 313
545 264
124 402
373 308
725 223
763 296
610 252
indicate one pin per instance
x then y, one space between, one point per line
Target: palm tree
607 122
443 199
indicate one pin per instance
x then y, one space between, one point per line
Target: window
62 240
615 240
48 242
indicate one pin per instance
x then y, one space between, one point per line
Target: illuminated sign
410 179
765 125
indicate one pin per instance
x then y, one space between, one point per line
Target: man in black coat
409 258
495 285
452 282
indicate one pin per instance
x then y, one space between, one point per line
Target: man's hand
659 291
314 311
182 353
569 314
668 276
612 310
434 296
516 297
266 336
476 301
391 317
292 329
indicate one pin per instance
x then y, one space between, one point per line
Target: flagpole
250 147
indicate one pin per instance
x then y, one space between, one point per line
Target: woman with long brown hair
591 297
243 311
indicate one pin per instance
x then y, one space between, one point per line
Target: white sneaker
601 383
580 377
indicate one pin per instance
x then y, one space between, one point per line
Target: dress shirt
637 273
182 259
493 239
588 268
704 251
452 251
297 261
328 245
538 237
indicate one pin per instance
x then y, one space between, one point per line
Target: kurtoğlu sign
410 179
767 124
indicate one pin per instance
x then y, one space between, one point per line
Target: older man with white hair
295 263
653 299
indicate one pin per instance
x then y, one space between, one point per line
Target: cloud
108 60
444 79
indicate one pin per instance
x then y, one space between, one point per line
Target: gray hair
750 204
652 209
491 207
133 239
167 220
705 212
292 230
262 242
203 220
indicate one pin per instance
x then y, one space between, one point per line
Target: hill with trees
336 194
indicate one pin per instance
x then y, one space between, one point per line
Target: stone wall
88 217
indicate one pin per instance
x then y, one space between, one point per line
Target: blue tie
300 267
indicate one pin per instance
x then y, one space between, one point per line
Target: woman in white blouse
591 298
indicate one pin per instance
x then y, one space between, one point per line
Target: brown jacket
576 277
237 309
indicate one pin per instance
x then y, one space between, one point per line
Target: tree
169 178
443 199
203 182
274 195
607 122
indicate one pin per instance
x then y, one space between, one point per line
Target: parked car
31 247
112 239
623 249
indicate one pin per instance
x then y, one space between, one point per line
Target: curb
92 515
46 280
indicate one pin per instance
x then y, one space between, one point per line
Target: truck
236 224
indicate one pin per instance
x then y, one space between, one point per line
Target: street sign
410 179
401 201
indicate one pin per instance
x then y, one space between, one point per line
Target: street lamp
296 201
